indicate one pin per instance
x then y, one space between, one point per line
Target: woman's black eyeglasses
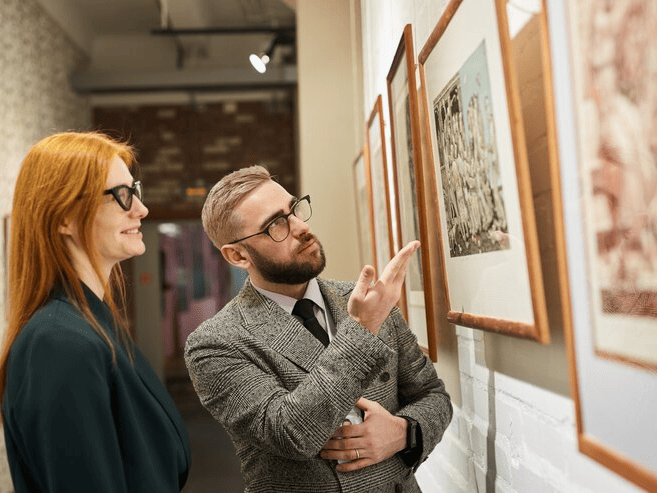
123 194
279 228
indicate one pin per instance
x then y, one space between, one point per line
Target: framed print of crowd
489 243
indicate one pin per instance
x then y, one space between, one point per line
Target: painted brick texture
512 437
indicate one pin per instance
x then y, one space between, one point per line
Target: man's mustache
305 239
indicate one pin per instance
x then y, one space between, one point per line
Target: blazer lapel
268 322
159 392
335 298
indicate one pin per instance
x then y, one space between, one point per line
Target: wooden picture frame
410 204
364 211
618 170
612 367
489 244
378 169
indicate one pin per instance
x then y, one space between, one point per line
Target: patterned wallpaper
36 61
36 99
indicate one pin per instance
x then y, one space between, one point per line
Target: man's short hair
219 222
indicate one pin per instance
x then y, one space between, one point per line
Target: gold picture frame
611 350
410 203
377 164
476 145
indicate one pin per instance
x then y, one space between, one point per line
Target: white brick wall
512 437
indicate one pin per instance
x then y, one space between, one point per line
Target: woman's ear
236 255
67 228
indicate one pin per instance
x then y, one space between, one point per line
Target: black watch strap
413 451
411 434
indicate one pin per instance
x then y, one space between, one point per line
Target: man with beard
349 404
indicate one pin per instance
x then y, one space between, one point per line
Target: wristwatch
411 434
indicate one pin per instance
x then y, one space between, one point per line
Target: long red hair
62 178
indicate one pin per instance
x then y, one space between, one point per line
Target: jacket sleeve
241 392
60 415
422 393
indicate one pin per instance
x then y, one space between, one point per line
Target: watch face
411 434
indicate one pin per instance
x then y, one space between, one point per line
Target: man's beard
294 272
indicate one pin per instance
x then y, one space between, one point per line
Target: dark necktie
304 309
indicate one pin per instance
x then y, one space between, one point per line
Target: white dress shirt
314 294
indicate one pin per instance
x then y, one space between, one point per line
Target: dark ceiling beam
267 86
224 30
187 80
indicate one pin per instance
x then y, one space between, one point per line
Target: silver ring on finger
357 454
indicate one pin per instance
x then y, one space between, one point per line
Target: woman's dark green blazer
76 422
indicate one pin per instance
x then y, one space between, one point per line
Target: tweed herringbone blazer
280 394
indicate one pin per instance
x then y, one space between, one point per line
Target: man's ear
236 255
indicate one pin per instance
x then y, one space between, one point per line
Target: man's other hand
378 437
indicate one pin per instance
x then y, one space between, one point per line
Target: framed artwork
408 179
616 95
489 245
378 168
610 204
364 210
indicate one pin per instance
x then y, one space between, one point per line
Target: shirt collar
287 303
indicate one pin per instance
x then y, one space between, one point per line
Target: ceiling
147 45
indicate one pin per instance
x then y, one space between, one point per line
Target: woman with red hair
82 409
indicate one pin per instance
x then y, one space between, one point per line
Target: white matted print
486 216
609 220
616 102
363 207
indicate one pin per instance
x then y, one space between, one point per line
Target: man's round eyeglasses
123 194
279 228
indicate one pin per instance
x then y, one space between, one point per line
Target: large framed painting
408 182
364 211
610 219
616 100
486 223
378 168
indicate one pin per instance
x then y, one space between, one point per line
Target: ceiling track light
259 61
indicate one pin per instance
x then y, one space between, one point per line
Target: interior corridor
215 467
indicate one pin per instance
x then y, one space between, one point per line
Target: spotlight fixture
259 62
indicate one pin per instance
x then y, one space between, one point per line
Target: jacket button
380 362
385 376
398 488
